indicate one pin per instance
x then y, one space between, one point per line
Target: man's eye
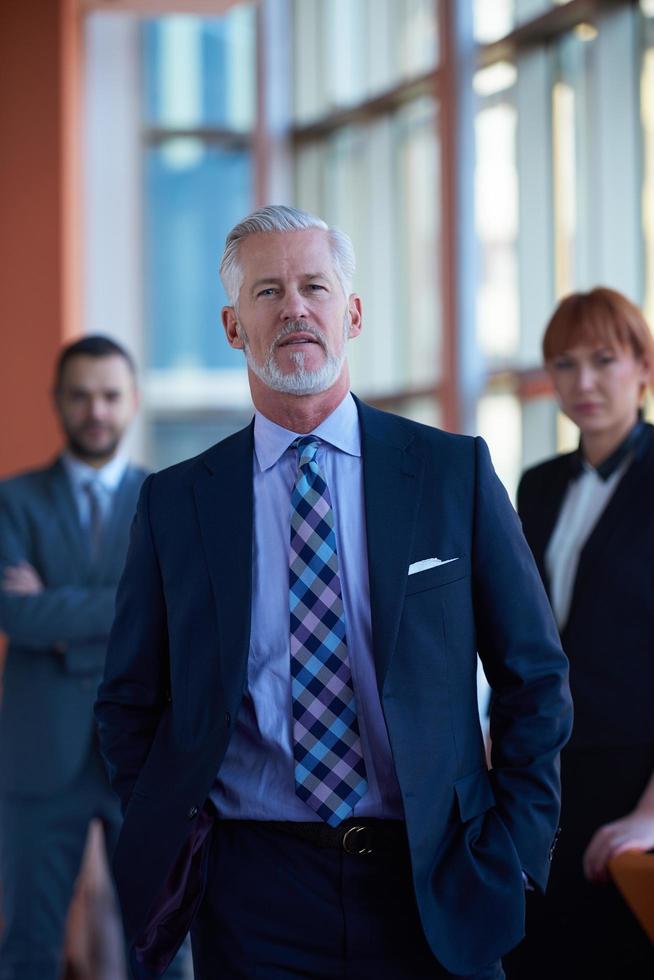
315 286
562 365
269 291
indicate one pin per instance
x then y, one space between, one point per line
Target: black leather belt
354 836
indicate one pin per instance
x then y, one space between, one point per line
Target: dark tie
330 773
94 493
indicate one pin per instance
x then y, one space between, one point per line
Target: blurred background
486 156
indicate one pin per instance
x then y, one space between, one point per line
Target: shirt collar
340 429
610 465
109 475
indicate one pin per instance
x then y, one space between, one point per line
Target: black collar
630 444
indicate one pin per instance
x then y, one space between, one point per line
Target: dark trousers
277 907
41 848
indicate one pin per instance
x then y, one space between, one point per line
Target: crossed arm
21 579
35 614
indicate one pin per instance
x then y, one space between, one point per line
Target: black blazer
609 636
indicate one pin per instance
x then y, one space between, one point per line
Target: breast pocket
433 578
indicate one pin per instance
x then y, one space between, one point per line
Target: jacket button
228 719
193 812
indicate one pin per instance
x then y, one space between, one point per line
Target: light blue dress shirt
256 780
107 478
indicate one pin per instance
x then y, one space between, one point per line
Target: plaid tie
330 773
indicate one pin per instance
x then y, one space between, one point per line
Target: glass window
417 36
345 59
493 19
571 121
199 107
417 239
175 438
347 51
424 409
307 60
393 160
199 73
194 193
499 422
496 208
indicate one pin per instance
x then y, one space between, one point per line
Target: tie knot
307 447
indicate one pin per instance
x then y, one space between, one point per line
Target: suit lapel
392 483
67 516
549 507
224 499
623 504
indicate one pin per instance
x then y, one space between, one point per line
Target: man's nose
98 408
294 306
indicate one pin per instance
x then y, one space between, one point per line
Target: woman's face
598 386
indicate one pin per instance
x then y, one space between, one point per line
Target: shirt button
228 719
193 812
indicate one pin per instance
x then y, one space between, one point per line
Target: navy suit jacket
58 638
609 634
176 673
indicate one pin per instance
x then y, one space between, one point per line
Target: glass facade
199 73
373 176
195 192
366 131
198 118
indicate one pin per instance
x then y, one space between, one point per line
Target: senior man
289 709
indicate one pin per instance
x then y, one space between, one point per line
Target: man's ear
230 326
356 315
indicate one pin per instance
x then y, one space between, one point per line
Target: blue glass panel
200 72
194 194
172 440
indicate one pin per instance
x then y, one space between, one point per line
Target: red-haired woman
589 518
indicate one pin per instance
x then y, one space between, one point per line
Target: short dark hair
93 345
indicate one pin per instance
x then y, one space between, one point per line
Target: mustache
298 326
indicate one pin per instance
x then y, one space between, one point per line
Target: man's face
293 320
96 400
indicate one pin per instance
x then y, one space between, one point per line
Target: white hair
279 217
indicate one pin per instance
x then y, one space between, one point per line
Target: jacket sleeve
518 643
59 615
135 689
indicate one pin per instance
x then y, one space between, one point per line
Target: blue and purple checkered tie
330 773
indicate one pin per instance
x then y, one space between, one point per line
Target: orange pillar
40 55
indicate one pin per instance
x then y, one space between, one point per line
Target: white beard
301 381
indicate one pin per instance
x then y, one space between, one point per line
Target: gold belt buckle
350 840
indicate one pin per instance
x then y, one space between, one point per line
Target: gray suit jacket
57 639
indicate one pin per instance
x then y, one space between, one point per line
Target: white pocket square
422 566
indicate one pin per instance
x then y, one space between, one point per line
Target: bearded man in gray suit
63 539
